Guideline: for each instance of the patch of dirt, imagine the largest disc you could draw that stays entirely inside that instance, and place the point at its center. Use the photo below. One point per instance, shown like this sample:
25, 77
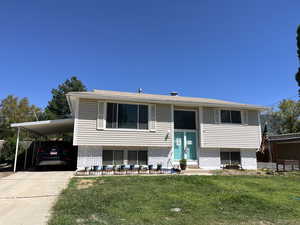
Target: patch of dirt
238, 172
85, 183
92, 218
5, 174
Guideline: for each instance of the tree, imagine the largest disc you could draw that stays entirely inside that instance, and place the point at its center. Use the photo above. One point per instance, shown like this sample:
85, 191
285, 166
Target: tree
58, 106
13, 110
285, 119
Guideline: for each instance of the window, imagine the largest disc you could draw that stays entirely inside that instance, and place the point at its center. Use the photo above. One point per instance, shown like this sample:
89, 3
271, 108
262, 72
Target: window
127, 116
138, 157
230, 158
108, 157
111, 157
230, 116
132, 157
111, 118
184, 119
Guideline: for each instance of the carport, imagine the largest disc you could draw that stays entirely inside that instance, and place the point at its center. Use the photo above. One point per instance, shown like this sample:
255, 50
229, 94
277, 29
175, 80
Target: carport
42, 128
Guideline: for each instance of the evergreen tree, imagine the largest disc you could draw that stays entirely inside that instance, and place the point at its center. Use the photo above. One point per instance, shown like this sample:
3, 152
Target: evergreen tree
58, 106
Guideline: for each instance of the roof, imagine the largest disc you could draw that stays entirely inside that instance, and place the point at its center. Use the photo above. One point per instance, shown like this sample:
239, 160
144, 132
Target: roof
284, 137
48, 127
155, 98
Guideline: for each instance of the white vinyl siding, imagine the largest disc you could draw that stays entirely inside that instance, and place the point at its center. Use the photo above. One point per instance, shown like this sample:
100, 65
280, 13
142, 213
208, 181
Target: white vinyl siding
87, 134
230, 136
218, 135
89, 156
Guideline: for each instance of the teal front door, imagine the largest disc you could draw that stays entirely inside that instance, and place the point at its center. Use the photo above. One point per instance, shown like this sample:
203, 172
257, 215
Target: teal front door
185, 145
178, 145
191, 145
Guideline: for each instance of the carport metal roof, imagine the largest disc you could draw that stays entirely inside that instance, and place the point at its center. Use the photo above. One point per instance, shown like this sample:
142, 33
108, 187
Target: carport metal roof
46, 127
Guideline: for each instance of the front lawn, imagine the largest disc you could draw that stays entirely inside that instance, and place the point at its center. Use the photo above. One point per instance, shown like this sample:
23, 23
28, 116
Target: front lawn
184, 200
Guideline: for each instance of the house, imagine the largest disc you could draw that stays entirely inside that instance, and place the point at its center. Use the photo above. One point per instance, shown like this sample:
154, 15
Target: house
113, 127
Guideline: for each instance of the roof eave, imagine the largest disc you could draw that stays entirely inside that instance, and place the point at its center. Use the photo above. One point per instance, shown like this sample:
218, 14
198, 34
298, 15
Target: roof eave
187, 103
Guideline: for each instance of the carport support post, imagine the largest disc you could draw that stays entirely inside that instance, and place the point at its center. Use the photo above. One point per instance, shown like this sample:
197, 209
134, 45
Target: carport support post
17, 147
25, 161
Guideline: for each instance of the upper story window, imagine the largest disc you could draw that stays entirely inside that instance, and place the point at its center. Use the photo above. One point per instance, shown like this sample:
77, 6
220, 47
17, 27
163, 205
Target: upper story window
130, 116
231, 116
184, 119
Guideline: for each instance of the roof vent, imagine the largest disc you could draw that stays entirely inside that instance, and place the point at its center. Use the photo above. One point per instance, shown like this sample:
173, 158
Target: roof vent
174, 93
140, 90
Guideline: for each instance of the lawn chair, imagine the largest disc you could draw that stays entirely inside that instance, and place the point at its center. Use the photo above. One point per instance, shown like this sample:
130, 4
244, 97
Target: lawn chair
119, 169
127, 169
143, 169
135, 169
158, 168
151, 169
87, 170
109, 169
96, 170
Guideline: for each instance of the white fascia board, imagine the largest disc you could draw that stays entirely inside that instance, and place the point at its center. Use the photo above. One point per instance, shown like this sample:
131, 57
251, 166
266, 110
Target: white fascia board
28, 124
157, 101
70, 105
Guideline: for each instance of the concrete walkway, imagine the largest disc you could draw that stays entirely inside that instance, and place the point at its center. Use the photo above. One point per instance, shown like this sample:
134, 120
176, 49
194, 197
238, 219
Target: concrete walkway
27, 197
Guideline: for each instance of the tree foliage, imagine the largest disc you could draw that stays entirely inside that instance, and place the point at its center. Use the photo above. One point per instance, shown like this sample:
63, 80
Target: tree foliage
285, 119
15, 110
58, 106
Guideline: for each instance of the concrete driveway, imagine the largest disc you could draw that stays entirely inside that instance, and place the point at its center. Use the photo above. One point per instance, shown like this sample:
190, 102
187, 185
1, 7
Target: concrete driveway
27, 197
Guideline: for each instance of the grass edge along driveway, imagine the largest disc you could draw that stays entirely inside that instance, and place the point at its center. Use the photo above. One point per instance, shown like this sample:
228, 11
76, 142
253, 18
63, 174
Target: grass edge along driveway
175, 200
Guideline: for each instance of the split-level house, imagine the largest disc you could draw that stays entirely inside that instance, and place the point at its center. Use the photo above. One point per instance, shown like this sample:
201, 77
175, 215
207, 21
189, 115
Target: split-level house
136, 128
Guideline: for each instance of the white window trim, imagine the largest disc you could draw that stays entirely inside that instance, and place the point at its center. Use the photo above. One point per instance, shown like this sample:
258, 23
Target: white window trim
149, 118
128, 129
104, 115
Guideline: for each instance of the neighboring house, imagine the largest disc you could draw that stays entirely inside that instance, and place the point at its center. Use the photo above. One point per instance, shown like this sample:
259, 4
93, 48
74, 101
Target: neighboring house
280, 147
136, 128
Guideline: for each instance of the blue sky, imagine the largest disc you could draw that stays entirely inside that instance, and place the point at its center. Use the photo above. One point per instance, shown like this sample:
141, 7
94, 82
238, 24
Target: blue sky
242, 51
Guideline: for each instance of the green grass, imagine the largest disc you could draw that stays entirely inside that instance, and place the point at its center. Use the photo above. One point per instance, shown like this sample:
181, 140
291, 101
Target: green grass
204, 200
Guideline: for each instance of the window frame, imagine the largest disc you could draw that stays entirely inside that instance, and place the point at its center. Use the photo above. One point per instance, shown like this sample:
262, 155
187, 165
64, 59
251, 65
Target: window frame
230, 157
230, 110
137, 156
183, 109
113, 156
117, 114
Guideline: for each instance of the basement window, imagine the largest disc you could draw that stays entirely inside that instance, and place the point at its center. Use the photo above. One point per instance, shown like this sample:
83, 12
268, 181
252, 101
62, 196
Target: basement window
229, 158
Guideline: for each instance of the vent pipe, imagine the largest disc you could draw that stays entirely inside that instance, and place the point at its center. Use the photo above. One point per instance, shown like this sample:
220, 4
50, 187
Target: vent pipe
174, 93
